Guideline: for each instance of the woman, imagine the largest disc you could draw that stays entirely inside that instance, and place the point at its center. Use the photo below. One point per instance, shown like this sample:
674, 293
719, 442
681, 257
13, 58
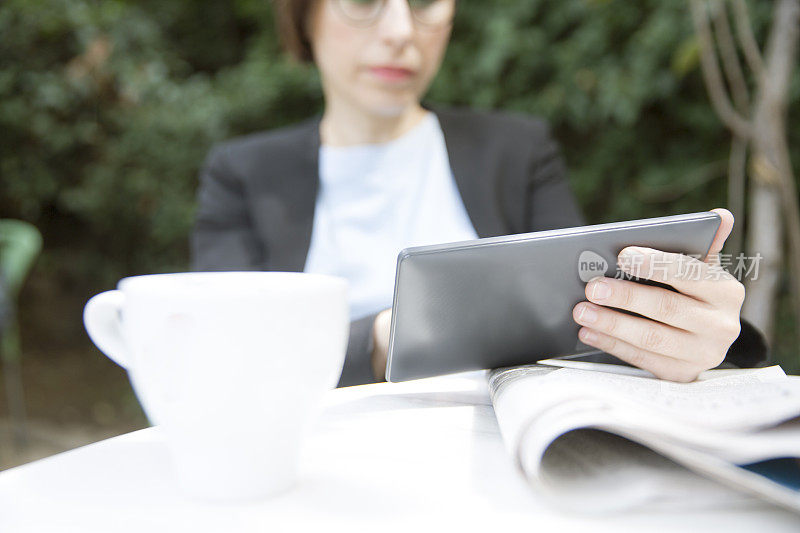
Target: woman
342, 194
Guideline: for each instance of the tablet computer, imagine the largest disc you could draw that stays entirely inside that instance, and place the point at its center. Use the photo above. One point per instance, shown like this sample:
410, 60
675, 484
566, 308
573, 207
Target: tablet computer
505, 301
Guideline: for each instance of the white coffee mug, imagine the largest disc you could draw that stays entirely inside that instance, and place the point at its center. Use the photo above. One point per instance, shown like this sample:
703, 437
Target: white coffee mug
231, 365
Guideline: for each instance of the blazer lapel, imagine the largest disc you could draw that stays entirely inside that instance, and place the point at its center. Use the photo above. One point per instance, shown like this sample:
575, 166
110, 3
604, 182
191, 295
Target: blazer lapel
306, 196
287, 200
473, 174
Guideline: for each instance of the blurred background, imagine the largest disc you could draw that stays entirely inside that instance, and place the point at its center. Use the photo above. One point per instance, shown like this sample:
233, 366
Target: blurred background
107, 109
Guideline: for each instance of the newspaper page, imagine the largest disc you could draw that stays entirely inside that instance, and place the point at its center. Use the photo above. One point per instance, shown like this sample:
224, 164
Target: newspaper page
545, 414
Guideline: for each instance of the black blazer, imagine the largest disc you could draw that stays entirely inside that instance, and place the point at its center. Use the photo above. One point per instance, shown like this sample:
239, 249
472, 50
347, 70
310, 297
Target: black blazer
257, 197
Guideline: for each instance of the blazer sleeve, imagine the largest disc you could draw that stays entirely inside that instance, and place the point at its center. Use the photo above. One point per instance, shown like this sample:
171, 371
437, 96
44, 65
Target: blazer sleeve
358, 361
551, 205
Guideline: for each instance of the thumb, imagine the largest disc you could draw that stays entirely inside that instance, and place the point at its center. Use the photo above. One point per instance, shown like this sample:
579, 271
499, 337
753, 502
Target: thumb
725, 227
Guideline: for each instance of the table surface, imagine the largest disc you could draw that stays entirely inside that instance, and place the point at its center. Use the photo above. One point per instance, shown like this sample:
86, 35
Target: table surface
389, 455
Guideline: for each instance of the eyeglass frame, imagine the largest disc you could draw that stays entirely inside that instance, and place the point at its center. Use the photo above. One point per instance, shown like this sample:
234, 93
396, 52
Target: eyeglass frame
371, 21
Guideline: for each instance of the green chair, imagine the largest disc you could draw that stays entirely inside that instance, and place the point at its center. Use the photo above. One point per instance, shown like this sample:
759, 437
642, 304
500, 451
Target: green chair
20, 243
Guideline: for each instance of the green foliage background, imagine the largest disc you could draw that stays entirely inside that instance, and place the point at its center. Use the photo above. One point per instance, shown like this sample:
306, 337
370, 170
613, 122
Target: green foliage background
107, 109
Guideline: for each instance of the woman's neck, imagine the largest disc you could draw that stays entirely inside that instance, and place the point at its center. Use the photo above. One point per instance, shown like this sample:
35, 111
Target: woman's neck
348, 126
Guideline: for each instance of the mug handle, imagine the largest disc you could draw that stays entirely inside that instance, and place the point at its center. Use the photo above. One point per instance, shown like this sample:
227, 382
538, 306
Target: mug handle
101, 316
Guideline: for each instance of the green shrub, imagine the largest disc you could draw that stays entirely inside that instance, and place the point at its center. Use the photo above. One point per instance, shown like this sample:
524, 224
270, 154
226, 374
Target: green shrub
108, 108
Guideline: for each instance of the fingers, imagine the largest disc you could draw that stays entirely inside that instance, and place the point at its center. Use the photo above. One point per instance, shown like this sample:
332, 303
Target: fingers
640, 332
703, 281
659, 365
679, 334
672, 308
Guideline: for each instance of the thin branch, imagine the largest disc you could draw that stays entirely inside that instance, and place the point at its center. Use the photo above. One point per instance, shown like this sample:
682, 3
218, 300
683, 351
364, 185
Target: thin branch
737, 163
730, 59
781, 53
744, 31
712, 75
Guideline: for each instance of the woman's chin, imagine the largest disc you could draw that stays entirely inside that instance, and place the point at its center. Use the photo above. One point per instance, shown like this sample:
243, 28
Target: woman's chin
387, 103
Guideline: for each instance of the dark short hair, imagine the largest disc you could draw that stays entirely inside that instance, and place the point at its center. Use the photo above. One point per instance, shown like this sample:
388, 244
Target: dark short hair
291, 17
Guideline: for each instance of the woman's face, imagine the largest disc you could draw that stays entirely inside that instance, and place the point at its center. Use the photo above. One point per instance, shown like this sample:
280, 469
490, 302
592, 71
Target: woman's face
379, 60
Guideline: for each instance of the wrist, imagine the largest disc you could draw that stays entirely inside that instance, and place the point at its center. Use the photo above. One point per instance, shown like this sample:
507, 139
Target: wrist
380, 343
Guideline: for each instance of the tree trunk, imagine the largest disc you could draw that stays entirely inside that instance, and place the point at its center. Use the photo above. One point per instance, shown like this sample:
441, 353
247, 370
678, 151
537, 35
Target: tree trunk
765, 237
774, 195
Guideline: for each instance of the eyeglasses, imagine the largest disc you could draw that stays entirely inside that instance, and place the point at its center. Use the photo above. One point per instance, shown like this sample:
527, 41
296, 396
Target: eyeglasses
428, 13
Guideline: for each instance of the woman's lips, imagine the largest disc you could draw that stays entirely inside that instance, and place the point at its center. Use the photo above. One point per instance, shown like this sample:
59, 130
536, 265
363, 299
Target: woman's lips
392, 74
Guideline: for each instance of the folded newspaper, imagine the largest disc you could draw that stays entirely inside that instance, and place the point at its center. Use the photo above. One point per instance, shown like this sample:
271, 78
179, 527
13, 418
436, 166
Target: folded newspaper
599, 441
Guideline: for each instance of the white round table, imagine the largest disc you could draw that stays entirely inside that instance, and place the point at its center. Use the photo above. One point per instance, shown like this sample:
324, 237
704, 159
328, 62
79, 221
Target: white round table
420, 455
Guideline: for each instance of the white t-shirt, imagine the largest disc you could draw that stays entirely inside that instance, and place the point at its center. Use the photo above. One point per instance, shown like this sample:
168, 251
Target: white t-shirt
376, 199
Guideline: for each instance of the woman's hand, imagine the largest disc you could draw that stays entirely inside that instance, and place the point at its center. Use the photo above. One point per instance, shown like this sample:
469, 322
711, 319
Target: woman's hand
380, 341
685, 332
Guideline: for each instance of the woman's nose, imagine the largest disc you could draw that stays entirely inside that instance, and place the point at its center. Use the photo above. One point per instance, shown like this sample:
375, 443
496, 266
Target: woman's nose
396, 25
